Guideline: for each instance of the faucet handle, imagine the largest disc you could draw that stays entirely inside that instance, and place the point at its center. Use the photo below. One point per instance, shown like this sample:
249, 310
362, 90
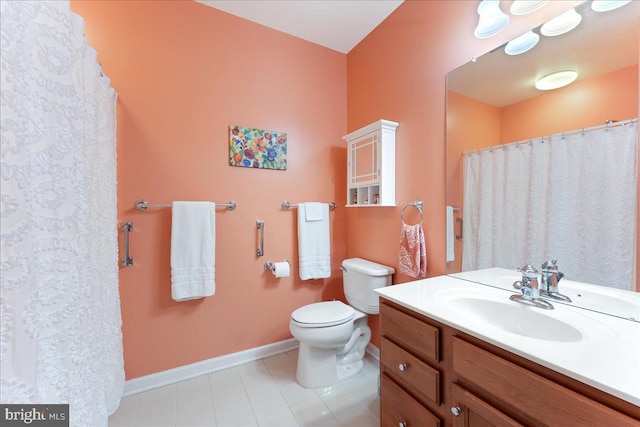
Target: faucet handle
527, 271
528, 288
551, 265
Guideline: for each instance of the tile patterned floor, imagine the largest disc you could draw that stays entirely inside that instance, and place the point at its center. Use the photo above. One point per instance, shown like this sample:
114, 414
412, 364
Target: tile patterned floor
259, 393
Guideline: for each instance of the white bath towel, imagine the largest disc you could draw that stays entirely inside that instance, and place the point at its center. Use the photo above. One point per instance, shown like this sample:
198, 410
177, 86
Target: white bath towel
193, 250
313, 211
314, 248
450, 235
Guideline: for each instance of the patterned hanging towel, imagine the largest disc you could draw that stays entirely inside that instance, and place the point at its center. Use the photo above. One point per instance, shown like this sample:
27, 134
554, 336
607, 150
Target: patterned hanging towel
413, 251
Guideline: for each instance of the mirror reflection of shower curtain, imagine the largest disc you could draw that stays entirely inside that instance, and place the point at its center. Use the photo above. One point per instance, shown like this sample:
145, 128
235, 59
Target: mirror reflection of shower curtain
573, 199
60, 323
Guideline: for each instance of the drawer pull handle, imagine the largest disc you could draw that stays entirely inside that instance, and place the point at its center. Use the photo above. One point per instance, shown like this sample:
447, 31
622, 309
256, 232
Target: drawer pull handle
402, 424
402, 367
455, 410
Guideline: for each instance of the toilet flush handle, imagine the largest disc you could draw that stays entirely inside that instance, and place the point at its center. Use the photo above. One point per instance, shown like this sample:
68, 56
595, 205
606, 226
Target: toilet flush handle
344, 270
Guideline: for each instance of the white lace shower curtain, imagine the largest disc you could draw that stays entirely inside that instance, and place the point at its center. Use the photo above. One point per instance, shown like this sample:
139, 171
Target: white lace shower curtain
572, 198
60, 324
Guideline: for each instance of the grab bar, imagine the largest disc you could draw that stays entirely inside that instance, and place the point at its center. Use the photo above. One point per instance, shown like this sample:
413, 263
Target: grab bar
260, 226
127, 261
458, 220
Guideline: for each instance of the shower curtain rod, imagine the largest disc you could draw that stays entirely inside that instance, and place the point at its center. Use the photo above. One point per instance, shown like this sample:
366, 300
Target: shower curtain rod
608, 125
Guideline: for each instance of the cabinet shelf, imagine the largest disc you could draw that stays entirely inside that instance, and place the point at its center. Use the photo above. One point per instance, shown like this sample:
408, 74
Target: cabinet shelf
371, 162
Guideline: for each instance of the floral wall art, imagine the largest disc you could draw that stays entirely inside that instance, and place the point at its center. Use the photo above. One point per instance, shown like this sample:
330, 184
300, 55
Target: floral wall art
257, 148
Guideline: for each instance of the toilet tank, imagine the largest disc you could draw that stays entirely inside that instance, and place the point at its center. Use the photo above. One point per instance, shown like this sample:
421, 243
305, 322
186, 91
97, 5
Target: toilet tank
360, 277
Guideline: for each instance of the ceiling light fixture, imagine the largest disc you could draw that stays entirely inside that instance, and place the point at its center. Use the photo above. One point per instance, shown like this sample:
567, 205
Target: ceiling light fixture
561, 24
556, 80
522, 7
492, 19
522, 43
606, 6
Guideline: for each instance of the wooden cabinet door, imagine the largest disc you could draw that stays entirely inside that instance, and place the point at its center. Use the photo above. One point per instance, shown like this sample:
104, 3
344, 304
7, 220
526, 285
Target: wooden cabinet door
537, 397
475, 412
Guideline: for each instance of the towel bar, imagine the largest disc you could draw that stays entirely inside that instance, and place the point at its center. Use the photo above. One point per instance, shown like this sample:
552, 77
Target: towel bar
286, 205
143, 205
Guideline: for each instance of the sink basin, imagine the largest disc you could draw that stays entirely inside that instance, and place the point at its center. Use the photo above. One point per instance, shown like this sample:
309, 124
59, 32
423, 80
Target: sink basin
515, 318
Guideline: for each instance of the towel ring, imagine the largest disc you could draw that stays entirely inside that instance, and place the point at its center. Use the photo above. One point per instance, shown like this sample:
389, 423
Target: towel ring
416, 204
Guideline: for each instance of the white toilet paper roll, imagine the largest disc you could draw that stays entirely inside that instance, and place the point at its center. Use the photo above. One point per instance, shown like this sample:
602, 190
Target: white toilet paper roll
281, 269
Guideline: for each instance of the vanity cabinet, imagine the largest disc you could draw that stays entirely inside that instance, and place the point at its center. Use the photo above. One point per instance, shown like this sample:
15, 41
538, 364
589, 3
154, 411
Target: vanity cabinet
433, 374
371, 163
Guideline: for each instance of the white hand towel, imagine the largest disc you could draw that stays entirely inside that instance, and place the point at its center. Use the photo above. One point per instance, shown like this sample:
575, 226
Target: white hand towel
193, 250
313, 211
450, 235
314, 248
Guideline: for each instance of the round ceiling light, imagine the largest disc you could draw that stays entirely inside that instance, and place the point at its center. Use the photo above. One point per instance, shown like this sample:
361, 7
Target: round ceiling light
522, 43
561, 24
606, 6
492, 19
556, 80
522, 7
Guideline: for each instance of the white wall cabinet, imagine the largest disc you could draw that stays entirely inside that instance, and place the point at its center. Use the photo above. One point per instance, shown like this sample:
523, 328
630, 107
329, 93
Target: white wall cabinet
371, 165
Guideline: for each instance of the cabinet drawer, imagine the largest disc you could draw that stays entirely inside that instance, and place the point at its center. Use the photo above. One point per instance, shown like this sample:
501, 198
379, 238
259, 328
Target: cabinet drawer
536, 396
421, 337
417, 375
399, 407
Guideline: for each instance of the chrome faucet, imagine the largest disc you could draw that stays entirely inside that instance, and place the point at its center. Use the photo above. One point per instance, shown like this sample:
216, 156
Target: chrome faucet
550, 278
529, 288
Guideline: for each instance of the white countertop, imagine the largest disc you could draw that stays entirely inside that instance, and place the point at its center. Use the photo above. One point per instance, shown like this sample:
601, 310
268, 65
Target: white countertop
607, 356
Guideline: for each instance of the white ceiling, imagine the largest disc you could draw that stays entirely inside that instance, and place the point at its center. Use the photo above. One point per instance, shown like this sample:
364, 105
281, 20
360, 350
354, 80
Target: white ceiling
337, 24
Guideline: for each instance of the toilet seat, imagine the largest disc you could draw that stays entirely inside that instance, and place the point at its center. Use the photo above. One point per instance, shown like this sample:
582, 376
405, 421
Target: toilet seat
323, 314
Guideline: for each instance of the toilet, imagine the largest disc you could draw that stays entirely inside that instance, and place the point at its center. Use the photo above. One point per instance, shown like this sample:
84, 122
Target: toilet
333, 335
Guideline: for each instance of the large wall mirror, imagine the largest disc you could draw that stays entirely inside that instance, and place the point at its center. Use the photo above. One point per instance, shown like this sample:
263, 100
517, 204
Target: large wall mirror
493, 106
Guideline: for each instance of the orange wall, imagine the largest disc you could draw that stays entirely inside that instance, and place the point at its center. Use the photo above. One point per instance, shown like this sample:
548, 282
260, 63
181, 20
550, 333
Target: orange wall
583, 104
398, 73
184, 72
471, 124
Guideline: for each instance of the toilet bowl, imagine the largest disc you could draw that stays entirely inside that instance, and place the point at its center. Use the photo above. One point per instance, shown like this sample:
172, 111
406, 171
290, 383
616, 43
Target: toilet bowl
333, 335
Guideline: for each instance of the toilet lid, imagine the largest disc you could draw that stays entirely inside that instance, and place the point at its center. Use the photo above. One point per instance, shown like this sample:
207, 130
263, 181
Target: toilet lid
319, 314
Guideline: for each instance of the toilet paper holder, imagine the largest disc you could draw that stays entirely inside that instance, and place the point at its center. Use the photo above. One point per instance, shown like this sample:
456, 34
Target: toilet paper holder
269, 266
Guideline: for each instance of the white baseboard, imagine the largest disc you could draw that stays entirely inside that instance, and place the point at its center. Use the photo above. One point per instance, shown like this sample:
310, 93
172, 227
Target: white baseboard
181, 373
373, 351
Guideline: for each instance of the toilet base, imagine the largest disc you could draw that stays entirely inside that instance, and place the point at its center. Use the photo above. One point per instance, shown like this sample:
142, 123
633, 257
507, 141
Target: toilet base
319, 367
